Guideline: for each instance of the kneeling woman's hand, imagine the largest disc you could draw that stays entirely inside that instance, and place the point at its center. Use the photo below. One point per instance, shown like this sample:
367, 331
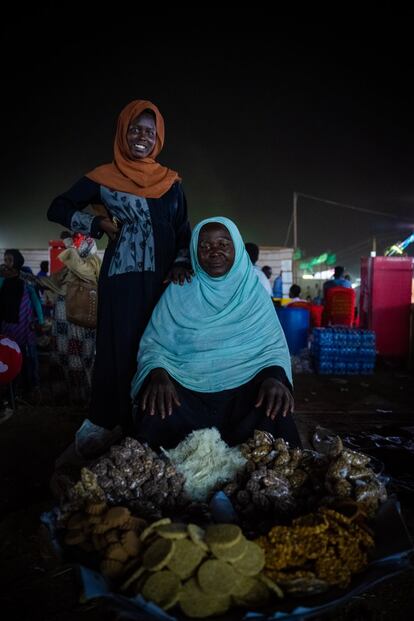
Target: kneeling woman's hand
275, 397
159, 395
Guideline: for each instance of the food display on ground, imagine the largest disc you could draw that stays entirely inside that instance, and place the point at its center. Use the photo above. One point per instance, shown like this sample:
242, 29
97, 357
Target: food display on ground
286, 483
303, 521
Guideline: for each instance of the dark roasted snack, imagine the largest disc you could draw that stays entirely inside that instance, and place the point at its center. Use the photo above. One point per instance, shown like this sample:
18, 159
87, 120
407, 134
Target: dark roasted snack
327, 544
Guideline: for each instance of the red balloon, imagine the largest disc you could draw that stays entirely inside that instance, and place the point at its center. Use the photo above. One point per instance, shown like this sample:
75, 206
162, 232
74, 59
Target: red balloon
11, 359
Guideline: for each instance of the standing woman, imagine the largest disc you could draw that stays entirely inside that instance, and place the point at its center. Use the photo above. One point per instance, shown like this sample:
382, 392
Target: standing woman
149, 234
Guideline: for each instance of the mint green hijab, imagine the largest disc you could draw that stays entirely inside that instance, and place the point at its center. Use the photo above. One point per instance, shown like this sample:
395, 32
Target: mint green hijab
214, 333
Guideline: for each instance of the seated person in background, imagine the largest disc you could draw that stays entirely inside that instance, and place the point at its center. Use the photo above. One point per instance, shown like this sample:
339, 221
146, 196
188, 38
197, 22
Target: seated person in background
214, 353
253, 252
294, 294
338, 280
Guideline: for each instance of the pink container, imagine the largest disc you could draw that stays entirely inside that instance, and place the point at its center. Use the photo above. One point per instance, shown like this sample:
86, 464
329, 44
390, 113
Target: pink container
384, 303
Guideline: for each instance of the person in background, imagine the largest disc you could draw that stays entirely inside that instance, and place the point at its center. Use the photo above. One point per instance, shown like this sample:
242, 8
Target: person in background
337, 280
318, 296
143, 211
26, 269
278, 286
253, 252
294, 294
44, 269
20, 312
73, 346
267, 271
214, 353
308, 296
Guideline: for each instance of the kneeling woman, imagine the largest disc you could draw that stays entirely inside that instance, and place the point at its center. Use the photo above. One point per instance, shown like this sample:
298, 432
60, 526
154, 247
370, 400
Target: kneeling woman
213, 353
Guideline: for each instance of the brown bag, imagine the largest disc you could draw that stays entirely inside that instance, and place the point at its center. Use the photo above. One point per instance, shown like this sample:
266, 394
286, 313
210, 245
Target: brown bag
82, 303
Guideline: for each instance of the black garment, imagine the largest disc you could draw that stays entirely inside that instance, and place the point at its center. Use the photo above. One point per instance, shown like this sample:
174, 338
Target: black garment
125, 301
232, 412
11, 294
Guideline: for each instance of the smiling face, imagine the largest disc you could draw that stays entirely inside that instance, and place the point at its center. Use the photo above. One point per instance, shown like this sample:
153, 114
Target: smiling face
215, 249
142, 136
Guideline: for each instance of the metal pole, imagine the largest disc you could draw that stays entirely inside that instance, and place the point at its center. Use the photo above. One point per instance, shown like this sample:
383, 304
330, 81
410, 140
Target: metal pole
288, 233
295, 220
295, 234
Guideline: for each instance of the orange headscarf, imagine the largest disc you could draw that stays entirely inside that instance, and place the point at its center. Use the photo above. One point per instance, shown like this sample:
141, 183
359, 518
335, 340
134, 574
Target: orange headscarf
144, 177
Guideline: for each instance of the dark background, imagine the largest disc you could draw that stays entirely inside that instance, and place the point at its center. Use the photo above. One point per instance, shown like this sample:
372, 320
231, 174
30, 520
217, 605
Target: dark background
252, 114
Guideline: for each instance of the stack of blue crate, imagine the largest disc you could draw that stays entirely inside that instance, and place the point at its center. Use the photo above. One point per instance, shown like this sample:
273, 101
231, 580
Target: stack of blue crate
343, 351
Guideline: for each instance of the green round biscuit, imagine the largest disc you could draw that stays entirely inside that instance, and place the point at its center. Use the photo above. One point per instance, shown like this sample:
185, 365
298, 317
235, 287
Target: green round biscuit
158, 554
152, 528
186, 558
242, 585
197, 536
132, 578
271, 585
173, 531
224, 535
196, 604
216, 577
258, 595
232, 554
162, 588
252, 562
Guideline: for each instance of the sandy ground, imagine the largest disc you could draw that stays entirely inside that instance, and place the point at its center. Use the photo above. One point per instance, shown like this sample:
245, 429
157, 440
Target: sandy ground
34, 583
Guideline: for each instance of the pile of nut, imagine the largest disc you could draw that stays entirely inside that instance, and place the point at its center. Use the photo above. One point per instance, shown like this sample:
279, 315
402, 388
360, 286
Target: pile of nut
133, 475
271, 474
285, 482
348, 474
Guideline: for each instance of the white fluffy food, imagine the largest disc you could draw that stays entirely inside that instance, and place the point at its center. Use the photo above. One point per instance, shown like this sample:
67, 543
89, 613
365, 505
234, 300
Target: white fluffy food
205, 460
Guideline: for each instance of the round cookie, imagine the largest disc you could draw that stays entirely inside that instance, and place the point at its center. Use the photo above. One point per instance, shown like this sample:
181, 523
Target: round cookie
162, 588
186, 558
158, 554
252, 562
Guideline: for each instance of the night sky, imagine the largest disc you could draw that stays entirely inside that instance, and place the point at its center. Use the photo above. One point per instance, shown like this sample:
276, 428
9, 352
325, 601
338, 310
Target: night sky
247, 123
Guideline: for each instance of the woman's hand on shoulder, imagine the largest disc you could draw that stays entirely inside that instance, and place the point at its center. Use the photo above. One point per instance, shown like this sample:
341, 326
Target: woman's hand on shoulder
179, 273
160, 395
275, 397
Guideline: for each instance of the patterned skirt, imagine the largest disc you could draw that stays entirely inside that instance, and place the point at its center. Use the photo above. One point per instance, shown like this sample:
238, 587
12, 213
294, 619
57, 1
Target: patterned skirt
73, 350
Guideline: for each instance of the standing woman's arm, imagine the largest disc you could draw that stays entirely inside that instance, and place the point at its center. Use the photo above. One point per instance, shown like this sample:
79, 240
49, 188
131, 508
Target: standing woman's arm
67, 208
182, 229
